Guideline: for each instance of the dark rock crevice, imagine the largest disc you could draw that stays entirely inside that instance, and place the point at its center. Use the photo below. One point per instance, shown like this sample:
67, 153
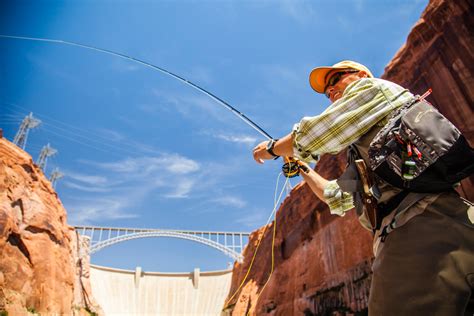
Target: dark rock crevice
19, 203
14, 239
29, 169
38, 230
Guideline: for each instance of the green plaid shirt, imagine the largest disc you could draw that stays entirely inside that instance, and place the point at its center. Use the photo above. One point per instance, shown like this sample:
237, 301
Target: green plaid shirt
364, 103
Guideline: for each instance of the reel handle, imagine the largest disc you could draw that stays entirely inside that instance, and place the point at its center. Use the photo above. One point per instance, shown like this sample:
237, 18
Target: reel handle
291, 168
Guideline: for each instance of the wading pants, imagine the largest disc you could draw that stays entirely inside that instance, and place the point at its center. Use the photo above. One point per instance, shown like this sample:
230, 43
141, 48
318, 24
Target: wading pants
426, 267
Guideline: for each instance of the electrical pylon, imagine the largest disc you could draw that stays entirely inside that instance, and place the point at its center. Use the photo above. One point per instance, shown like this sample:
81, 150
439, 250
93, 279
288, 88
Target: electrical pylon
28, 123
46, 152
55, 175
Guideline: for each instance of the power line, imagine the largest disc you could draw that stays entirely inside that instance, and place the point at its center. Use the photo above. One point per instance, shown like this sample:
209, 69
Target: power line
81, 133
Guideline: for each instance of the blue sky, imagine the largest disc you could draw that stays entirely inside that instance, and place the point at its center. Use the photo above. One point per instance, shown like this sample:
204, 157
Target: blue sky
140, 149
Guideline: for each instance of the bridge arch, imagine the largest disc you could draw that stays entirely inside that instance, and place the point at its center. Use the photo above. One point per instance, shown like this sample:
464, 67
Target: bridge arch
130, 234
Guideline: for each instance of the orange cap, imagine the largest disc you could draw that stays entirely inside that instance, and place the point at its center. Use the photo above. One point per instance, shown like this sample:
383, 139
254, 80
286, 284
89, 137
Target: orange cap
318, 76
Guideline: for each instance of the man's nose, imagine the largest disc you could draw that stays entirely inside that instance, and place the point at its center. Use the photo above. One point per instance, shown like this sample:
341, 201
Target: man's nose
329, 90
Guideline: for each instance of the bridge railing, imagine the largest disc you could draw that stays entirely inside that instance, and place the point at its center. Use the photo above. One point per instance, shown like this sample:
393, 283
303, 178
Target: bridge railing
230, 243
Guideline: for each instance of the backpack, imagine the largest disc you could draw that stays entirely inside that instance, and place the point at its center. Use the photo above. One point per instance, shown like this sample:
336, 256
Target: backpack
419, 150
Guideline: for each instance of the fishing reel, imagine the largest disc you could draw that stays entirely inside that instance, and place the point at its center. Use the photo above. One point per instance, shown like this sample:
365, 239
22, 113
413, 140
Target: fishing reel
291, 168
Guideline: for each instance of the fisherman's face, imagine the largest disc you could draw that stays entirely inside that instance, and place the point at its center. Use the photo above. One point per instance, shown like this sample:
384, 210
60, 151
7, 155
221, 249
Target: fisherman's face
338, 82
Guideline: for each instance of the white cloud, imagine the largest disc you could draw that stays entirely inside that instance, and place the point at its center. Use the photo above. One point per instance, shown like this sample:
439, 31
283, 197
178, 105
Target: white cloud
242, 139
179, 165
230, 201
85, 212
181, 189
166, 175
120, 186
85, 188
119, 203
143, 166
192, 104
231, 138
87, 182
85, 178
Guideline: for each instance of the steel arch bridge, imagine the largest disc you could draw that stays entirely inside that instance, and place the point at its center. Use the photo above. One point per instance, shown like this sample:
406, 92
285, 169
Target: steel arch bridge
230, 243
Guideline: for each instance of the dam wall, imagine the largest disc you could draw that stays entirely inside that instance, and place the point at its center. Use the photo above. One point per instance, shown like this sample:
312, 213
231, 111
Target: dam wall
128, 292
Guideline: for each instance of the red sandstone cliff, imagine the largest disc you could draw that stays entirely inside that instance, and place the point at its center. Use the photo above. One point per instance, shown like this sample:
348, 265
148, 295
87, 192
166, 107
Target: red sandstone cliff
322, 262
439, 54
41, 265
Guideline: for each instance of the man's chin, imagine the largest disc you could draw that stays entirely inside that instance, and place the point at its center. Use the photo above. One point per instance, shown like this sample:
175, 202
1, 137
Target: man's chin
336, 97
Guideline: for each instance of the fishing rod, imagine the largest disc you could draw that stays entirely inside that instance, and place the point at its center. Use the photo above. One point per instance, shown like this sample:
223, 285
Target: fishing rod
290, 167
241, 115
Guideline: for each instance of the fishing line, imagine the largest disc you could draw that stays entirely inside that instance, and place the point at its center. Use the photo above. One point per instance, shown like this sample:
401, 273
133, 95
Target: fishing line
239, 114
288, 187
276, 202
273, 262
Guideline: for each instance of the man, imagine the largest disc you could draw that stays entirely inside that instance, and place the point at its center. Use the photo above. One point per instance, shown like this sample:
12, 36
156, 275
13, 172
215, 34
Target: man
425, 264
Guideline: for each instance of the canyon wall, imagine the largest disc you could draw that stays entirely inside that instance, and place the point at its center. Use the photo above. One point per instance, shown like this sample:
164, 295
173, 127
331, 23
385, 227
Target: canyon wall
322, 262
439, 54
43, 267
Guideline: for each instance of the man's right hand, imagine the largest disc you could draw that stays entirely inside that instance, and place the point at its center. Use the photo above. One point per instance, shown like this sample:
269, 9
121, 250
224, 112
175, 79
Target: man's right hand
260, 153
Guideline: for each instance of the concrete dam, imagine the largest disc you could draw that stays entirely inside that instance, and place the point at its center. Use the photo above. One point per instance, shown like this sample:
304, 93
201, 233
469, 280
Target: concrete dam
128, 292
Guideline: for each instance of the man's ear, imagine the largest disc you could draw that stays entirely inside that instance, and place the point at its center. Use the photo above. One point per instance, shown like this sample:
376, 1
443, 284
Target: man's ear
362, 74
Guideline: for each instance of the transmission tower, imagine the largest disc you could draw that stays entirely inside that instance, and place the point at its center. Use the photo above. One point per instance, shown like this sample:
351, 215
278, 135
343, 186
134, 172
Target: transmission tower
46, 152
28, 123
55, 175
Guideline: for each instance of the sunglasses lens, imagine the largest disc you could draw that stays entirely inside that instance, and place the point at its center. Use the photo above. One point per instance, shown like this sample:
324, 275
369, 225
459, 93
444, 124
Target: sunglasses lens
334, 79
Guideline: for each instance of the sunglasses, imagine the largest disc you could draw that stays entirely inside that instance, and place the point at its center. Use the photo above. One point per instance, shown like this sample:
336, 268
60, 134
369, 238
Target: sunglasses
336, 78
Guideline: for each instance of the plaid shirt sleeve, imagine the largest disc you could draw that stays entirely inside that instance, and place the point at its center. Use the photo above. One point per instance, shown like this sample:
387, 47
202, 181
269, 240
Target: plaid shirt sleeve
364, 103
339, 202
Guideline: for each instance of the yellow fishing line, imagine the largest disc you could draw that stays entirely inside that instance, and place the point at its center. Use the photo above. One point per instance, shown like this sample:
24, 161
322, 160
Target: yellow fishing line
259, 242
273, 251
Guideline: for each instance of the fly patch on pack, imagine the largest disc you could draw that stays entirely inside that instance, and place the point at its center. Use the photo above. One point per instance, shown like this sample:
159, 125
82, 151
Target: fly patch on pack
420, 150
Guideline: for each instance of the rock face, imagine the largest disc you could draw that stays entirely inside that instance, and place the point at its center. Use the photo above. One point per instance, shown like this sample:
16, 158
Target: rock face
439, 54
39, 253
322, 262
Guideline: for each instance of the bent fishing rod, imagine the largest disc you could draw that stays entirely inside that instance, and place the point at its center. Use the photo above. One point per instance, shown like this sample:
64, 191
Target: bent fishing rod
290, 168
241, 115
